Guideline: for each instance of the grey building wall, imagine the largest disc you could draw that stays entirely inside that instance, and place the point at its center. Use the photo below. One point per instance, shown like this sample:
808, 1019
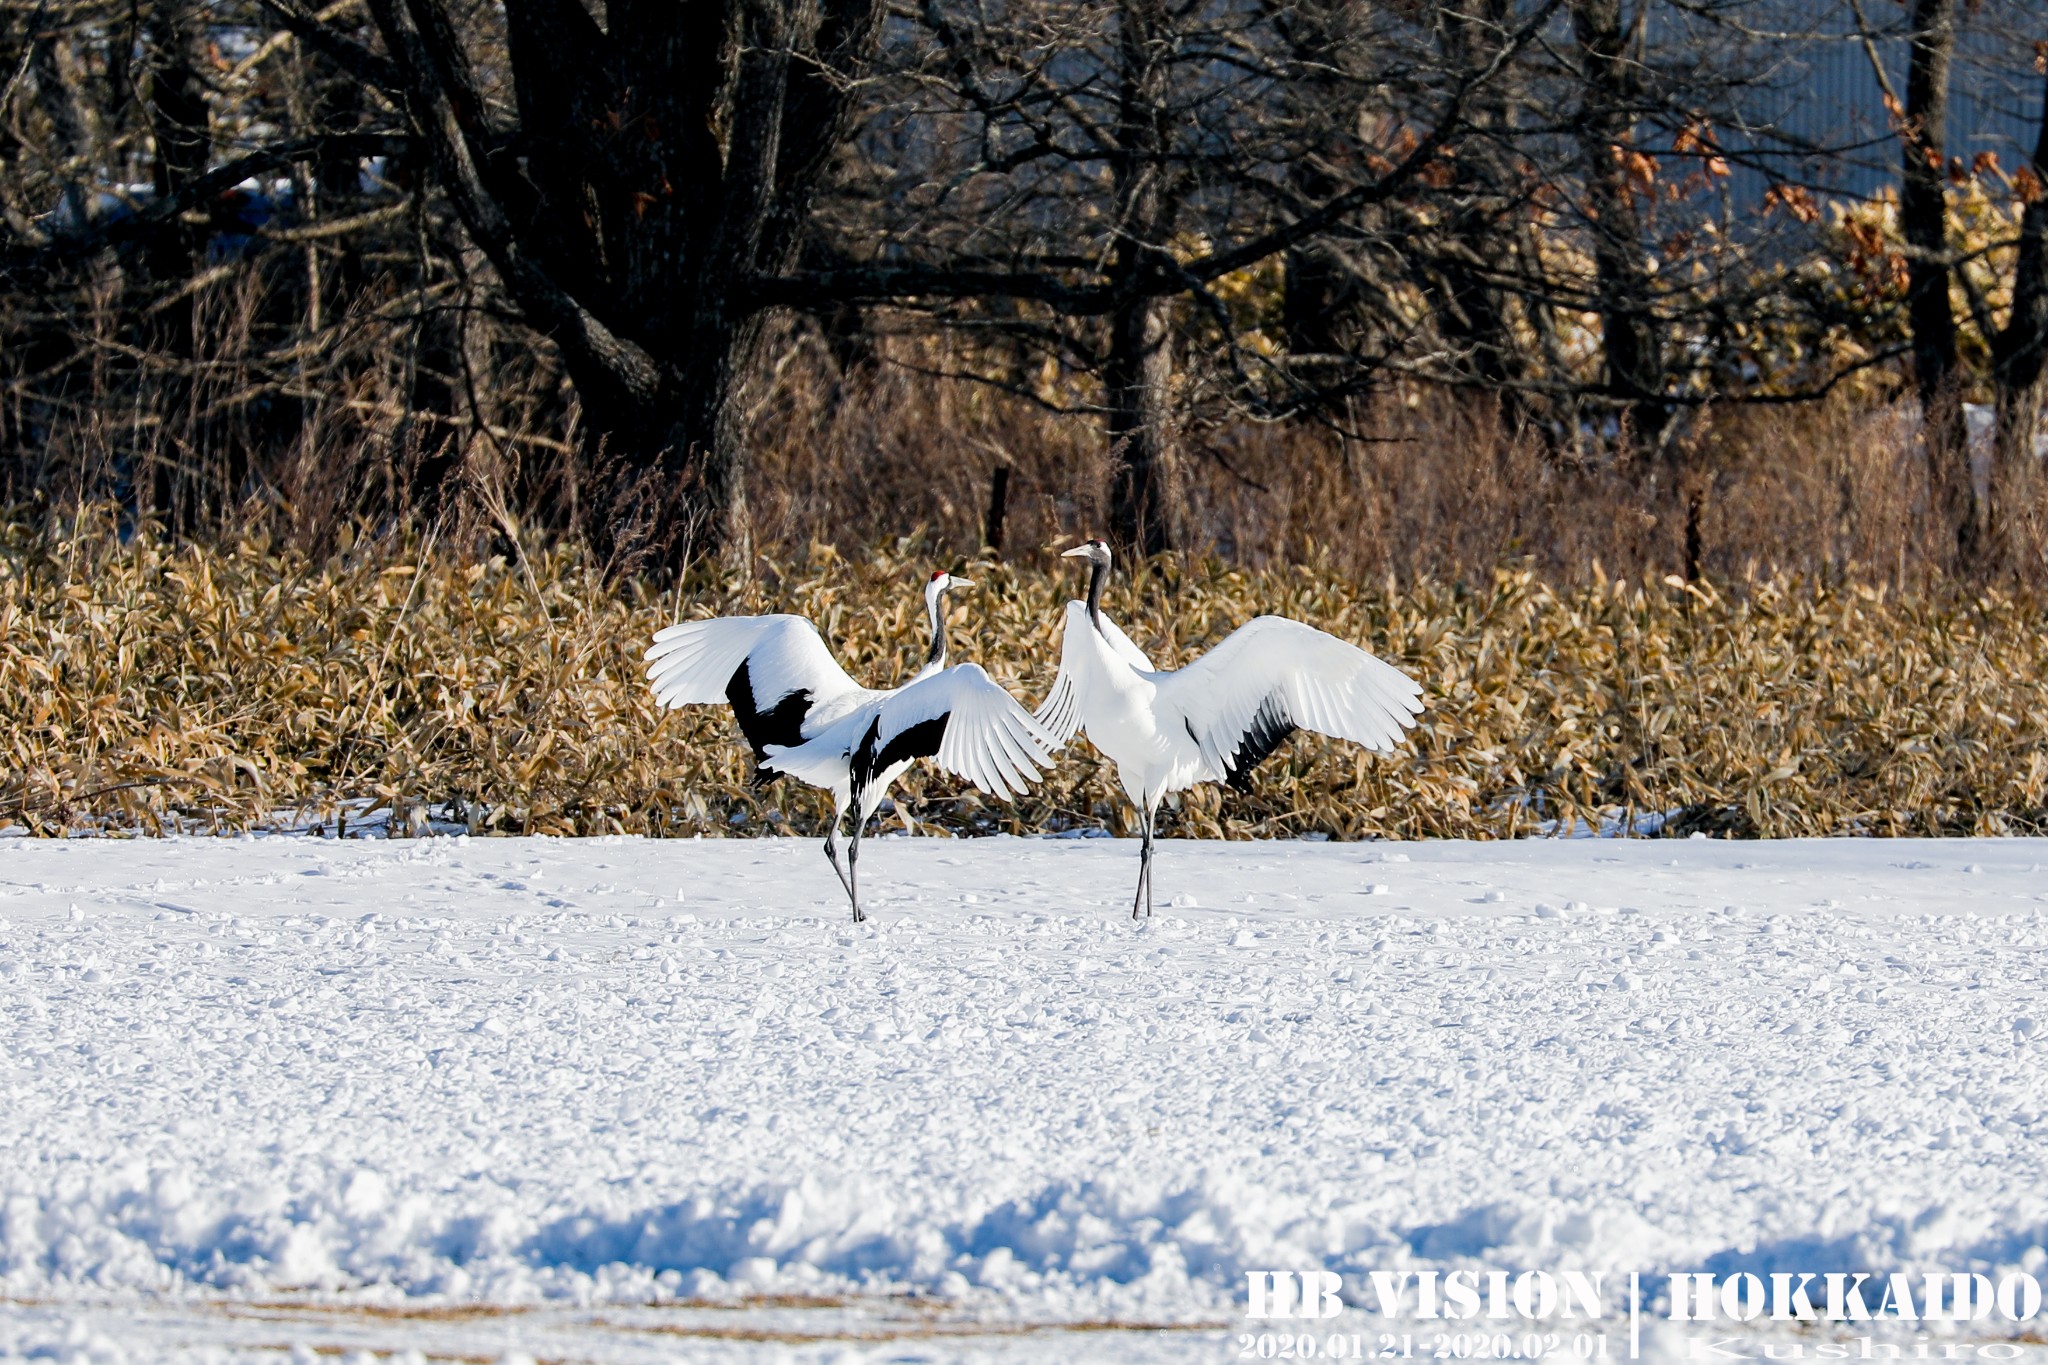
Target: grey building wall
1817, 88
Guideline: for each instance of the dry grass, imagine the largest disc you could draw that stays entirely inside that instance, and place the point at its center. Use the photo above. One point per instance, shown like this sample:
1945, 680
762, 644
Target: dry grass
1435, 484
147, 686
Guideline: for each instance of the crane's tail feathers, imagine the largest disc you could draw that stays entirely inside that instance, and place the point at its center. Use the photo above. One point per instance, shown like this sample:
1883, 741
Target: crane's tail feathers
818, 765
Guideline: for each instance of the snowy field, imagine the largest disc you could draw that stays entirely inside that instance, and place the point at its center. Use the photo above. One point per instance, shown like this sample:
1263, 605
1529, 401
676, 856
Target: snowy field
625, 1101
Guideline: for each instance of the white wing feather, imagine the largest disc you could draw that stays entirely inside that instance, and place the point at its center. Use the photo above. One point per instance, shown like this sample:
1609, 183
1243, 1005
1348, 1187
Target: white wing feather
989, 739
1318, 682
692, 663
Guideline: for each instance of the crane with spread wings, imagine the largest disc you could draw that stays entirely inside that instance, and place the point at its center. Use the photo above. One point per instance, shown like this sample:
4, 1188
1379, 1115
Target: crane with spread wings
805, 717
1222, 715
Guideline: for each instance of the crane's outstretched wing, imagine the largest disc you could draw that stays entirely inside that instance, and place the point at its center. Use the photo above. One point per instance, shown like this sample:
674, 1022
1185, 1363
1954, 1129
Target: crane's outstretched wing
773, 670
1059, 715
964, 720
1271, 676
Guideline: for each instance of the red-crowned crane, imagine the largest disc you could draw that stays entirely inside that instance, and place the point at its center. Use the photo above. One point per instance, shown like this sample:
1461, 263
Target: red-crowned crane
1219, 717
803, 716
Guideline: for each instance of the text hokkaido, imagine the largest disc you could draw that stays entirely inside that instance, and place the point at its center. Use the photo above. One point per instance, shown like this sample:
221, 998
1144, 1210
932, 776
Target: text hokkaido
1838, 1297
1690, 1296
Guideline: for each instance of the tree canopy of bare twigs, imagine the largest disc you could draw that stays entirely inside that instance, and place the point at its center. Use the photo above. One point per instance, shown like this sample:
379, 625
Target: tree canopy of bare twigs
547, 262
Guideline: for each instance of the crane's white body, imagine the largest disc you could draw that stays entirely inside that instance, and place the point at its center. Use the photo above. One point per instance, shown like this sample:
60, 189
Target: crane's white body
805, 717
1109, 689
1212, 721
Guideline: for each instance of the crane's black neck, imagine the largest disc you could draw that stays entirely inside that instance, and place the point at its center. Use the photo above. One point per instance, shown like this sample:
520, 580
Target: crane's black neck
937, 657
1098, 570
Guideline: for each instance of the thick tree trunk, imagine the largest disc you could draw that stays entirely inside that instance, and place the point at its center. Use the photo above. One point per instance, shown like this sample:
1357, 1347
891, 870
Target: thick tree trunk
1313, 296
338, 107
180, 126
666, 160
1314, 281
1315, 292
1629, 331
1923, 222
180, 122
1138, 374
2018, 354
1142, 495
674, 470
1476, 311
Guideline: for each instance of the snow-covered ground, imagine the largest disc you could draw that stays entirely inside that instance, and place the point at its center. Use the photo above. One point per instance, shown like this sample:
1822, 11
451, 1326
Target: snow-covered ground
622, 1100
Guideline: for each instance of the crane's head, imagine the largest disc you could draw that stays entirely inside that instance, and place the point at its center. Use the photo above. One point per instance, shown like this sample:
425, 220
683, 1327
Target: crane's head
935, 588
1096, 552
935, 609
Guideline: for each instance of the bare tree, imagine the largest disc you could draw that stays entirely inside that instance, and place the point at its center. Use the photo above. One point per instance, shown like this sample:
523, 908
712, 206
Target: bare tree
1139, 364
316, 241
1161, 151
649, 171
1923, 221
2019, 348
1606, 134
1479, 235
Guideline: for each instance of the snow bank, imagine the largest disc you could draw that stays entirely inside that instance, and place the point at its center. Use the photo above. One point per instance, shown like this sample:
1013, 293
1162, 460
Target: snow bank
1084, 1248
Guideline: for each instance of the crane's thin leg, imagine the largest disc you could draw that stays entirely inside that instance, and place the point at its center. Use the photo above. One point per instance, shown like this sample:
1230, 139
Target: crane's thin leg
853, 865
1144, 861
1151, 821
832, 849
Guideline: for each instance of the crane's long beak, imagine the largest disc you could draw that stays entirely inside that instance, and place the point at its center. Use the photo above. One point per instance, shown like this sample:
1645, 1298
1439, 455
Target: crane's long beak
955, 581
1078, 552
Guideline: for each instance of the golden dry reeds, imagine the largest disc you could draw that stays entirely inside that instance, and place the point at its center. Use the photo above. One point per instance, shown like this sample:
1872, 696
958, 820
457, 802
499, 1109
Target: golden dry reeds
148, 686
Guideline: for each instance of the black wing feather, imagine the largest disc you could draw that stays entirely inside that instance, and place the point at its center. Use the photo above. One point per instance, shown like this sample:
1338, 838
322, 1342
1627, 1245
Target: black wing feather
1269, 729
872, 756
782, 723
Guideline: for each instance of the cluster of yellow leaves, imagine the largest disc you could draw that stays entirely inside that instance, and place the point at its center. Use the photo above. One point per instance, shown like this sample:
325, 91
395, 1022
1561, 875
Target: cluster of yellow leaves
1868, 275
146, 686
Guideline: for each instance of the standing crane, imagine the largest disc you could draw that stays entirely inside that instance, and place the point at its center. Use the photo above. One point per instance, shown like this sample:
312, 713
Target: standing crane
803, 715
1222, 715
